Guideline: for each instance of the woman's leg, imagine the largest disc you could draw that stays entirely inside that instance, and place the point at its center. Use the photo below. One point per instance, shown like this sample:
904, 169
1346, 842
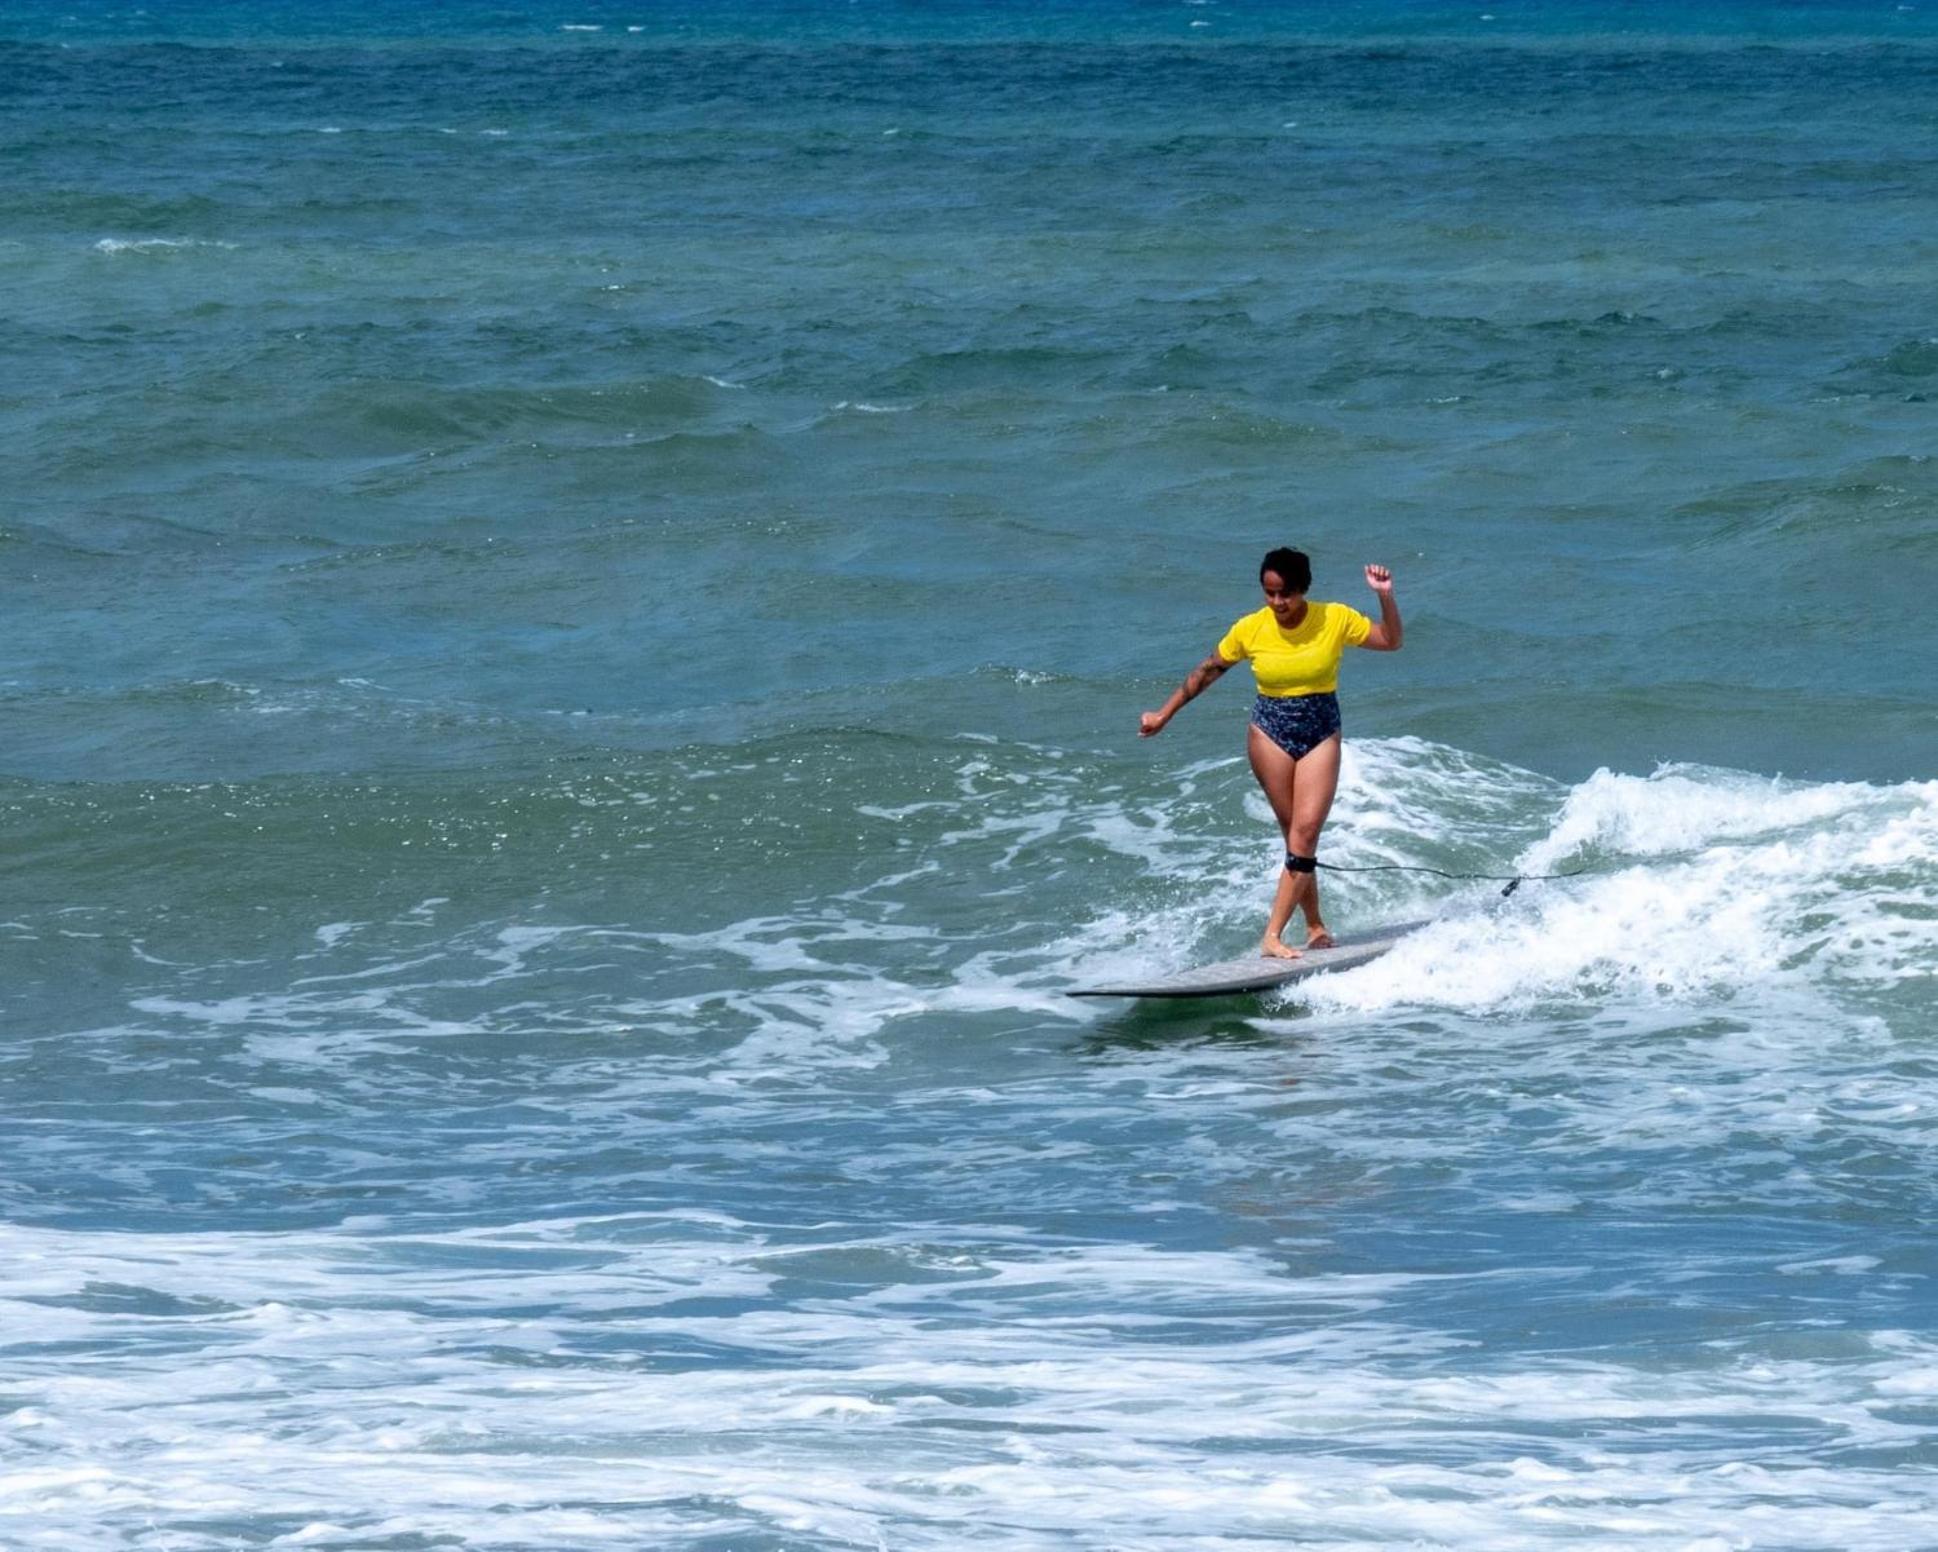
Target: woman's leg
1275, 770
1317, 779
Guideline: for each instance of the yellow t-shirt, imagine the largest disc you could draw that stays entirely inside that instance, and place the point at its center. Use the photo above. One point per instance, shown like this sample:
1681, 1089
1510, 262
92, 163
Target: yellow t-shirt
1300, 661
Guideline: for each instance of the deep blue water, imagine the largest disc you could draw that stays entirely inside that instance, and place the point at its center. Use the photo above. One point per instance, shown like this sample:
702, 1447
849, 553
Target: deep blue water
580, 580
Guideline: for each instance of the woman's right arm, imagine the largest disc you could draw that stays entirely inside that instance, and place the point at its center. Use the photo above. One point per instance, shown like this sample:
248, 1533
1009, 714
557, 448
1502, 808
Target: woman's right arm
1200, 679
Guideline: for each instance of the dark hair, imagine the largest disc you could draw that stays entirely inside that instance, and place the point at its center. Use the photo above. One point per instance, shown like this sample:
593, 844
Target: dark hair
1291, 565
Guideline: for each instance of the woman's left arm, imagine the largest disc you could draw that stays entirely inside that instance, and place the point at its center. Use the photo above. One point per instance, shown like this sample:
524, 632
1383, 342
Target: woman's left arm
1385, 636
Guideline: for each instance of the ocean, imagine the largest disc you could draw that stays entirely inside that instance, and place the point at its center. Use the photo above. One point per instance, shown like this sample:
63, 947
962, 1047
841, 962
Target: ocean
579, 582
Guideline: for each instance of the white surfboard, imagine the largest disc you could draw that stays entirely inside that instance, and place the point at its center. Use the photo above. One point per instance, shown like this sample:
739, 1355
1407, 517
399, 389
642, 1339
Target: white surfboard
1256, 973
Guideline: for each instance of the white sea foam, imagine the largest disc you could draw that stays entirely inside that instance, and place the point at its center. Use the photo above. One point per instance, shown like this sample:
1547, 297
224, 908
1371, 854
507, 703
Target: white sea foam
547, 1383
156, 244
1702, 883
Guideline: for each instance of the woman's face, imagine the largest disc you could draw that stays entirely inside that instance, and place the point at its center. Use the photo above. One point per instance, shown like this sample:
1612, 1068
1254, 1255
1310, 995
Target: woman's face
1285, 603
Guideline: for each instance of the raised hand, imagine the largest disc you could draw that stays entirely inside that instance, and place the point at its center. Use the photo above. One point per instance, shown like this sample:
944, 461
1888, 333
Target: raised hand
1379, 579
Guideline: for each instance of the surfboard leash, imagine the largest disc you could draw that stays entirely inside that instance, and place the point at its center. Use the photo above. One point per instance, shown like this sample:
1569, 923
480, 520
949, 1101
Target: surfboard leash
1514, 880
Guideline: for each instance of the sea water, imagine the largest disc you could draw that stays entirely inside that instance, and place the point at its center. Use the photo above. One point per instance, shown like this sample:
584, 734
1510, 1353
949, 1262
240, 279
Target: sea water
579, 580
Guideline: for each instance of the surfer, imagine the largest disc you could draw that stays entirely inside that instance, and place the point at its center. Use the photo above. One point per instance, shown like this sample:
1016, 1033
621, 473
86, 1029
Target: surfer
1295, 646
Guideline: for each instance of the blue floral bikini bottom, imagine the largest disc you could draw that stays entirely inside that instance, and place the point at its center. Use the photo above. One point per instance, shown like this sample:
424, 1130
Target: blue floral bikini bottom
1298, 724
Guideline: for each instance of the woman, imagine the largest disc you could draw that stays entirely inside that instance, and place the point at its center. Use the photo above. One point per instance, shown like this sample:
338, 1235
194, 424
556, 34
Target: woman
1295, 646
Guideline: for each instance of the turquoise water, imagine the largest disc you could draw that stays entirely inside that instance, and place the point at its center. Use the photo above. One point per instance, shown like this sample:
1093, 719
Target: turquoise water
579, 600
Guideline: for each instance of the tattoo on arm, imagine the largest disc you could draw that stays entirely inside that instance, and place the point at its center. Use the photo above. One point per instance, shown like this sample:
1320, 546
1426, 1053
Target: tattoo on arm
1204, 676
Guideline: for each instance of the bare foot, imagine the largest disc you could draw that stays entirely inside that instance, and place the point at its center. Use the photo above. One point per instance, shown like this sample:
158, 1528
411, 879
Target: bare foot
1272, 948
1317, 936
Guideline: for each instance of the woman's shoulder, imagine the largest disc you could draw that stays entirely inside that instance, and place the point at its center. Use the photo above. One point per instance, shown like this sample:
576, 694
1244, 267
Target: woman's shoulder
1345, 624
